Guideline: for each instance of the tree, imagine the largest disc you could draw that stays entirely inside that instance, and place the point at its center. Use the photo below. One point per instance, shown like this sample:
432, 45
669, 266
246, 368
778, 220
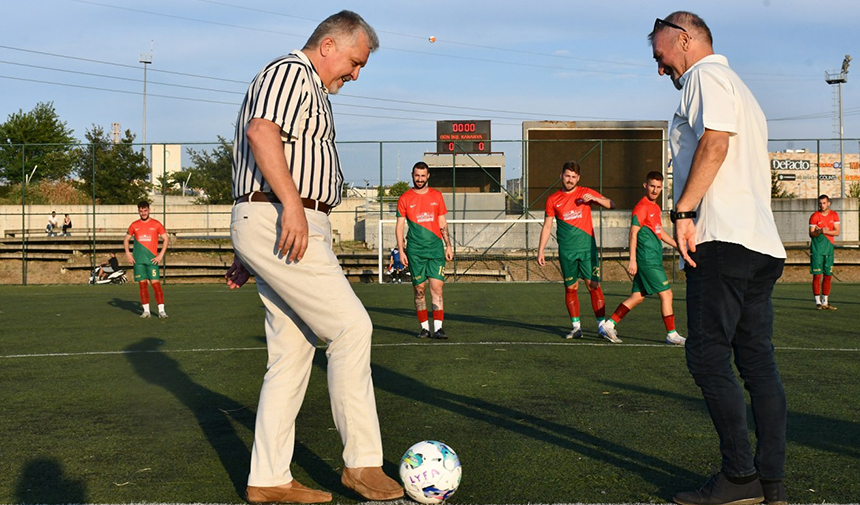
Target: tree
776, 188
120, 170
45, 141
212, 172
398, 188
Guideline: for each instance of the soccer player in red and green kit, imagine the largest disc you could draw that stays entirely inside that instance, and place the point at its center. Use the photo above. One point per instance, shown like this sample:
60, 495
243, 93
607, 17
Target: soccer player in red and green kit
146, 257
577, 250
646, 261
824, 227
427, 246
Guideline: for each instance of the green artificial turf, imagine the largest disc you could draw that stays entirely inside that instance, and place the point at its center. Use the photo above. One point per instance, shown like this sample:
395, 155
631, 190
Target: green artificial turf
100, 406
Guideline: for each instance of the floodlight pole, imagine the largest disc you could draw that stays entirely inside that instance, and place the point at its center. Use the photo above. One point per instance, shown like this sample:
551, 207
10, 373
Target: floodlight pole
839, 79
146, 59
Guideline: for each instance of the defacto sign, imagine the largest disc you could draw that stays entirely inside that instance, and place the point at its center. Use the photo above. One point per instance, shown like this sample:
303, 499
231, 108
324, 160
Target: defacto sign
789, 165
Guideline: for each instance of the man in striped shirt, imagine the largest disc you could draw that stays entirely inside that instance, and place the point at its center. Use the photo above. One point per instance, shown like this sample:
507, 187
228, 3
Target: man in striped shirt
286, 179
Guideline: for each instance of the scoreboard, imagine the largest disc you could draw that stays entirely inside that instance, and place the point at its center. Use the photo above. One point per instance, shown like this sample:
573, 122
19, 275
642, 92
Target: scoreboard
472, 137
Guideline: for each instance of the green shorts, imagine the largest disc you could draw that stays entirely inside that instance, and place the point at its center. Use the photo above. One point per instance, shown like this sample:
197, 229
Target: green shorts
820, 264
650, 280
579, 265
143, 271
421, 269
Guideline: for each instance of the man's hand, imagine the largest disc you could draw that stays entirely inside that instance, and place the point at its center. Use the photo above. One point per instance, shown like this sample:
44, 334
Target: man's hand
294, 232
632, 268
403, 259
449, 253
157, 260
237, 275
130, 258
541, 259
685, 236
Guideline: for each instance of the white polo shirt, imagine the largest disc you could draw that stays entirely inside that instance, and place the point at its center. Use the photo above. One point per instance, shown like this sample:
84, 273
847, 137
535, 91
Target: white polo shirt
736, 208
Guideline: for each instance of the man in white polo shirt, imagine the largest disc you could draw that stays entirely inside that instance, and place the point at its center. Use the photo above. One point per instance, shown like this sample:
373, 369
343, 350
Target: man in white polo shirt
732, 257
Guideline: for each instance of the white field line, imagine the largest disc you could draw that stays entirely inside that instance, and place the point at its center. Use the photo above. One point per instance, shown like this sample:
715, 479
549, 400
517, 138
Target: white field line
399, 344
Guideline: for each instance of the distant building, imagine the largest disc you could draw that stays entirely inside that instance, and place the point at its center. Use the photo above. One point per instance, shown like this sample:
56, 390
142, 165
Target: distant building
166, 159
807, 174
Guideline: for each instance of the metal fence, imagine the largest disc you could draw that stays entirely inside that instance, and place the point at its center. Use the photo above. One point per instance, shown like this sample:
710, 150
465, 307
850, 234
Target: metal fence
510, 183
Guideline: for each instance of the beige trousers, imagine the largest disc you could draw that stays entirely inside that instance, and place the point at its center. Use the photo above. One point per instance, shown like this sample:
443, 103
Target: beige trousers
304, 301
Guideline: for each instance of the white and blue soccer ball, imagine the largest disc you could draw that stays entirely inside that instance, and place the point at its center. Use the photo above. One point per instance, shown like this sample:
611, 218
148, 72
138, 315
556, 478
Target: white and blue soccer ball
430, 472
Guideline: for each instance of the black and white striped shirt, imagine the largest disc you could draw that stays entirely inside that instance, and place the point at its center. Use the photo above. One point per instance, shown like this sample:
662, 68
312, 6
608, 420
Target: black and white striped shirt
289, 93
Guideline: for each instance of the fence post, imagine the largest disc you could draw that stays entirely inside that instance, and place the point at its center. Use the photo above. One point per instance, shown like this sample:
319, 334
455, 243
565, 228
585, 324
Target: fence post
23, 214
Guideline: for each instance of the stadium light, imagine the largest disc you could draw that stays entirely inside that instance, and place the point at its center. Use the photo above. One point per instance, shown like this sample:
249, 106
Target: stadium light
840, 79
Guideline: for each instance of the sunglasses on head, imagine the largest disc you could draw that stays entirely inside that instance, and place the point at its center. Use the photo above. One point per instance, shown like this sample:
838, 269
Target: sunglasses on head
660, 22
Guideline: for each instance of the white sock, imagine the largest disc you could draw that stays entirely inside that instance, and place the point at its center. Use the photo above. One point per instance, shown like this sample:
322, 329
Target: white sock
823, 299
426, 325
160, 307
436, 325
146, 308
576, 325
610, 323
817, 299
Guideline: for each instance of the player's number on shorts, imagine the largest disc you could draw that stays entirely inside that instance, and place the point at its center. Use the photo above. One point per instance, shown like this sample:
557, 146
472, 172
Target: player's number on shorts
442, 270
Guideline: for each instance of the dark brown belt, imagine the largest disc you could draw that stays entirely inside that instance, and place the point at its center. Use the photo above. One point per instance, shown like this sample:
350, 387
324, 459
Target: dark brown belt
259, 196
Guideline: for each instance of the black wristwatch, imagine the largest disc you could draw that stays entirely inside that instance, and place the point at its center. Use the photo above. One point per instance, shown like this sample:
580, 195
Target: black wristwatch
674, 216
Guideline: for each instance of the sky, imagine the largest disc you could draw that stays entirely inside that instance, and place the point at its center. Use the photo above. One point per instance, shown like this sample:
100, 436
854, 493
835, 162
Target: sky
502, 60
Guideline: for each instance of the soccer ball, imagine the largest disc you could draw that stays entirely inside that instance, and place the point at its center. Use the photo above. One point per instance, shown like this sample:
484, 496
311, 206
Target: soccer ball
430, 472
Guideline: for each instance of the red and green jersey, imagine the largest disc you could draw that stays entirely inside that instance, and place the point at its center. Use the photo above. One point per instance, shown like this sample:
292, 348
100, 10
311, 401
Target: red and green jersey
823, 244
575, 232
422, 211
649, 248
145, 234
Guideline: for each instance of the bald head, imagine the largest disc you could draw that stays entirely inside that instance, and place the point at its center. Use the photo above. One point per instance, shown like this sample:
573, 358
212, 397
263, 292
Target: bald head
689, 22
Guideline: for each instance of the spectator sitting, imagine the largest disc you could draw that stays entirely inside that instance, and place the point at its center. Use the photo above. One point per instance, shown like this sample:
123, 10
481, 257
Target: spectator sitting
67, 225
53, 224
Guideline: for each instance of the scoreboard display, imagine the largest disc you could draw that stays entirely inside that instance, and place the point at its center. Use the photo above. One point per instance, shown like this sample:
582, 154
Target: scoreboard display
468, 137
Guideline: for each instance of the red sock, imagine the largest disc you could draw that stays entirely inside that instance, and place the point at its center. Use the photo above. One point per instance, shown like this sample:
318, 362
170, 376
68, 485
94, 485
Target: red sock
669, 321
159, 293
619, 313
597, 303
825, 286
572, 302
816, 284
422, 316
438, 315
144, 292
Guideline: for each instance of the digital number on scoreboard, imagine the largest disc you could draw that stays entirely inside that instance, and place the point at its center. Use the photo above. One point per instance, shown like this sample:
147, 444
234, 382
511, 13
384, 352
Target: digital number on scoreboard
471, 137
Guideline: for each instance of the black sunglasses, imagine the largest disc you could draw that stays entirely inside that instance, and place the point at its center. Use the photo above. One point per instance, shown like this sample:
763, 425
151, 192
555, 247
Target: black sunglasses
659, 22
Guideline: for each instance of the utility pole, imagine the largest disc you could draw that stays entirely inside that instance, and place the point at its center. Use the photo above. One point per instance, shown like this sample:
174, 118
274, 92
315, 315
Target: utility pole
839, 79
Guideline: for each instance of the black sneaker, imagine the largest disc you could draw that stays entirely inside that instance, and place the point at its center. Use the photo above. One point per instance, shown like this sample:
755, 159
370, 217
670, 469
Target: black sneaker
425, 333
440, 335
719, 491
774, 492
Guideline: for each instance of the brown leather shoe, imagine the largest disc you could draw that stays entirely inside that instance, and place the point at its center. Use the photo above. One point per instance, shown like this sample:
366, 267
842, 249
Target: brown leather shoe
288, 493
371, 483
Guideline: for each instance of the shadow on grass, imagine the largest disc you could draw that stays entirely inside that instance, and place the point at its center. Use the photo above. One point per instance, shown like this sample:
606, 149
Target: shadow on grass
496, 416
42, 481
507, 324
133, 307
214, 413
810, 430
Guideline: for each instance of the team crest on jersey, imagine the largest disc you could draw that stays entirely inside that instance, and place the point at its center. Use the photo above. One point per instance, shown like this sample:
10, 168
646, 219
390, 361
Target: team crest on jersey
144, 238
572, 214
424, 217
658, 229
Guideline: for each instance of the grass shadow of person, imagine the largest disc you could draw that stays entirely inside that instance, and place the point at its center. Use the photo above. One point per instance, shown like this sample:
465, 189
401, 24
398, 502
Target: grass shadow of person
133, 307
526, 424
43, 481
